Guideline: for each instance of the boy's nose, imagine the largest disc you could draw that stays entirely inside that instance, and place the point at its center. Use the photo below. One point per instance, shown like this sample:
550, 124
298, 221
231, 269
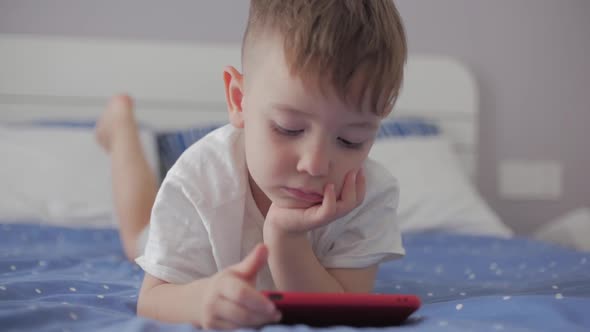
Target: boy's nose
314, 160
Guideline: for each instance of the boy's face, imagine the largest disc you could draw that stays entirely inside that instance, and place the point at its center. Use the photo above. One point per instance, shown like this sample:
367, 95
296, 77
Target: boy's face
297, 139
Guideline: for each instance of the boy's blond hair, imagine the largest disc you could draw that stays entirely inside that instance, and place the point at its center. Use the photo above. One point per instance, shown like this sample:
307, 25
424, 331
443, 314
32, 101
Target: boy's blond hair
339, 42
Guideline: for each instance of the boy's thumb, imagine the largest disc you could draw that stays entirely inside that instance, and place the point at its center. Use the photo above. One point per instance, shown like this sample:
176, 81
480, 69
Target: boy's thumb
251, 264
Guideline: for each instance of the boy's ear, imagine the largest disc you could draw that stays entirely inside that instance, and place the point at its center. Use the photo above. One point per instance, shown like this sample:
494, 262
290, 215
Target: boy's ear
234, 80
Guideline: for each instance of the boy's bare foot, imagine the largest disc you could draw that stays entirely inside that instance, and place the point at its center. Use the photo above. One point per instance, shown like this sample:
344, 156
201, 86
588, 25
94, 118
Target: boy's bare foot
134, 184
118, 117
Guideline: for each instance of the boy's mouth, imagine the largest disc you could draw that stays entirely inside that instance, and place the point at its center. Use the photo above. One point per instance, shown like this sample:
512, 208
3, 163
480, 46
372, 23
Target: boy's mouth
301, 194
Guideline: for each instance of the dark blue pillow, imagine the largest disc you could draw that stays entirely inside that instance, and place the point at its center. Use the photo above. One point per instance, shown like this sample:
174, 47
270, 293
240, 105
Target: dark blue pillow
404, 127
172, 144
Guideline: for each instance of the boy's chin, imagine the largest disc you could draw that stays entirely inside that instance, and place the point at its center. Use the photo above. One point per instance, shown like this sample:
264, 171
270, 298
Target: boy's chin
289, 203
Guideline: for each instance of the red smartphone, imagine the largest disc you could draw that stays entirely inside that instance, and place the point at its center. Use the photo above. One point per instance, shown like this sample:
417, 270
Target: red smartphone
352, 309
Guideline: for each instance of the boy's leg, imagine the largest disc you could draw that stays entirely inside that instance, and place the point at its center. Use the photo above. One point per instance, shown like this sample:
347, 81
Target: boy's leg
134, 183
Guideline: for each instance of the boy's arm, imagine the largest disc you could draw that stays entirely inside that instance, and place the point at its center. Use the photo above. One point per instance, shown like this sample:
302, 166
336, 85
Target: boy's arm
170, 302
293, 264
295, 267
226, 300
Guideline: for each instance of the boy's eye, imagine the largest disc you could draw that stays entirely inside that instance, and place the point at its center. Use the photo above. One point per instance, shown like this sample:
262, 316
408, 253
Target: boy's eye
349, 144
287, 132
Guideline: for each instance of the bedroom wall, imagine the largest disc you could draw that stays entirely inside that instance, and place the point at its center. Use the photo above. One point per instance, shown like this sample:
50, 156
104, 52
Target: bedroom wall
529, 58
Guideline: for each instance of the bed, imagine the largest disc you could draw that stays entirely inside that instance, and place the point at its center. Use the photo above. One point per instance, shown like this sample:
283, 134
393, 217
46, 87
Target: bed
61, 264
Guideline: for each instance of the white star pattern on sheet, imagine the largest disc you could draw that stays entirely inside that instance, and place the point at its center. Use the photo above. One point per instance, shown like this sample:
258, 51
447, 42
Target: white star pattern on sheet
439, 269
477, 279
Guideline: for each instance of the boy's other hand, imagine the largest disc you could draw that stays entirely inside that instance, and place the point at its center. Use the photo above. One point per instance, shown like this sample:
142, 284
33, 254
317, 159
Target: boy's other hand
232, 301
299, 221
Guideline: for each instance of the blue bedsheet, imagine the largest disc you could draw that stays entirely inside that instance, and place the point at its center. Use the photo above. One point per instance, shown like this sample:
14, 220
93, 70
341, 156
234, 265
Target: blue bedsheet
77, 280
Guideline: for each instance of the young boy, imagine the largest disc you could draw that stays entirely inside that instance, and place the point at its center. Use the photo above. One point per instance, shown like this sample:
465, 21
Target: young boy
284, 196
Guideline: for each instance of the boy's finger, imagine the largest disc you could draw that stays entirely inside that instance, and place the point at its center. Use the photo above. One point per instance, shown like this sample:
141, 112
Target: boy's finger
220, 324
318, 215
328, 206
348, 193
251, 264
247, 296
238, 315
361, 186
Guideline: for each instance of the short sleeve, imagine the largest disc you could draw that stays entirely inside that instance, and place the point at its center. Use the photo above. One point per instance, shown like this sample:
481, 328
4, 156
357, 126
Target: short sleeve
178, 249
370, 234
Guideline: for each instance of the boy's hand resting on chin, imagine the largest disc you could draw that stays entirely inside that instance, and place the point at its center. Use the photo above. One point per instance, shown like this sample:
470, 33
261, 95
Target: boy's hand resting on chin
298, 221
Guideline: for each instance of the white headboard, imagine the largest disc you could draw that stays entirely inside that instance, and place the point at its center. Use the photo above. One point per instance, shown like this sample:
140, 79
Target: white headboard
178, 85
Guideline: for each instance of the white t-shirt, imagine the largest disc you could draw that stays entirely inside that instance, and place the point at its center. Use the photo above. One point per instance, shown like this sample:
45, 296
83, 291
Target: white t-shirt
205, 219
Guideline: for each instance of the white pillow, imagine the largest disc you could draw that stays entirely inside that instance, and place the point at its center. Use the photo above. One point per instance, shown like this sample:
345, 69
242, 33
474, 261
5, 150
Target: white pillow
58, 176
434, 191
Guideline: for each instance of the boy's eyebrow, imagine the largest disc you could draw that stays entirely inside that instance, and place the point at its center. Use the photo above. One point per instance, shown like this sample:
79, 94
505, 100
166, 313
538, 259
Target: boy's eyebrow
361, 124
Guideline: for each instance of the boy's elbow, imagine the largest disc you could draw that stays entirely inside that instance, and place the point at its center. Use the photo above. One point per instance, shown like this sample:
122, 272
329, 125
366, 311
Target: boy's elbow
145, 304
142, 305
148, 307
